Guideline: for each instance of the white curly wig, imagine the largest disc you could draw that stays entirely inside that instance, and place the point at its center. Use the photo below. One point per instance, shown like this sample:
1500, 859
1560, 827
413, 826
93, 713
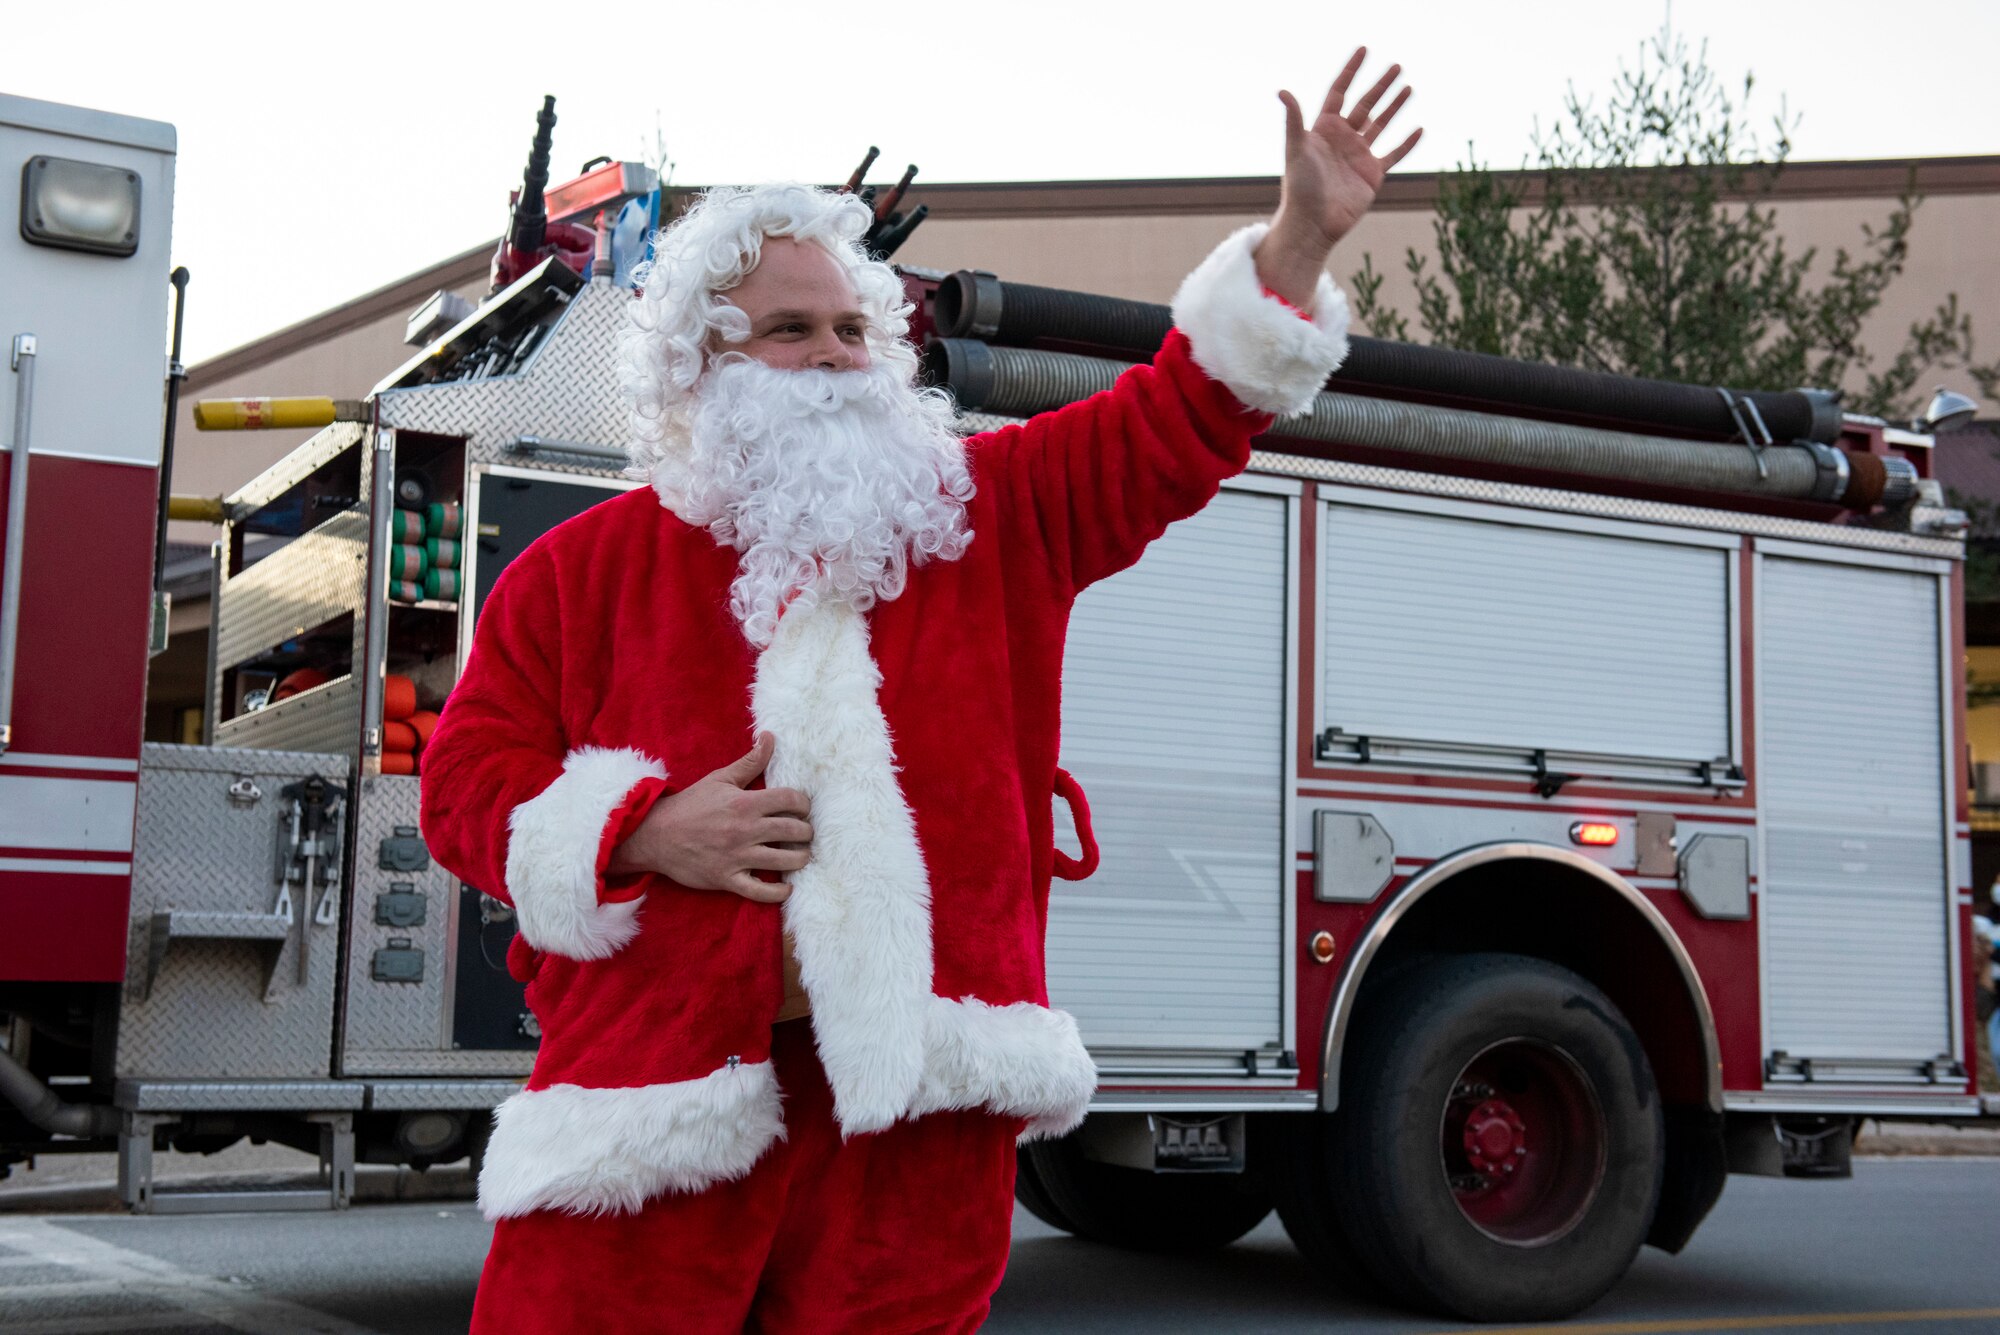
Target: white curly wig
680, 315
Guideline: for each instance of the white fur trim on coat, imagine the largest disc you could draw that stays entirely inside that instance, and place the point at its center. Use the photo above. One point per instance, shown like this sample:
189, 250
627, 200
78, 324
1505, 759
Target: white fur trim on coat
1254, 344
1021, 1060
552, 845
609, 1151
859, 912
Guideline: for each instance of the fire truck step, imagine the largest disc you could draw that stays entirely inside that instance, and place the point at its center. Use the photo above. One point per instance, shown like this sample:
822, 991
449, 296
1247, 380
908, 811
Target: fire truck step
137, 1189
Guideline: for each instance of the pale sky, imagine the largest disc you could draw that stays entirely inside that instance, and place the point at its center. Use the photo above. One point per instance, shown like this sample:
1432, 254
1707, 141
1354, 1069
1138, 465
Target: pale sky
327, 149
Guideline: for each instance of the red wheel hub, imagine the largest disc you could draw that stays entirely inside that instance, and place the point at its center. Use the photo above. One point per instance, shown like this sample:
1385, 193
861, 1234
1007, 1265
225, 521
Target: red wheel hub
1522, 1142
1495, 1138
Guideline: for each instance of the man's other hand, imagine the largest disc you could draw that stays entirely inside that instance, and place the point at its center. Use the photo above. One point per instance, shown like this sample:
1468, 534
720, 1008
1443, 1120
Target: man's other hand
716, 833
1332, 174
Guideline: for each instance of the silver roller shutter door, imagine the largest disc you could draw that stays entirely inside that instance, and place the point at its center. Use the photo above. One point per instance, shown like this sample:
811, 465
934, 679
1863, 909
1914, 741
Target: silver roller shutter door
1449, 629
1173, 721
1855, 896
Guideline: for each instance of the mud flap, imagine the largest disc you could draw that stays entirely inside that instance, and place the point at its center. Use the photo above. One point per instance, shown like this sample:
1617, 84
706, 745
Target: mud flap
1697, 1166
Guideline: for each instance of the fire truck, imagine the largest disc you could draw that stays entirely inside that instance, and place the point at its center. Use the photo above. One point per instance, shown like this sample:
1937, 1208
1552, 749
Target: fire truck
1526, 796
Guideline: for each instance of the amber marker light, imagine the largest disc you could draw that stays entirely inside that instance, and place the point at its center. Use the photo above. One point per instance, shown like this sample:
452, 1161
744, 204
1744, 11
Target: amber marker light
1322, 947
1593, 833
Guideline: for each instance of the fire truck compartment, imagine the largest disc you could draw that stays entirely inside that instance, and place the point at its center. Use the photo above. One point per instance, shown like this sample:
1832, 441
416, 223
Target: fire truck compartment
1856, 890
1471, 637
1174, 704
224, 904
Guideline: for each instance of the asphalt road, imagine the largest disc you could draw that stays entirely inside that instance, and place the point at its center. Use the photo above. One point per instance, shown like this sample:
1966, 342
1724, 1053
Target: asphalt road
1908, 1245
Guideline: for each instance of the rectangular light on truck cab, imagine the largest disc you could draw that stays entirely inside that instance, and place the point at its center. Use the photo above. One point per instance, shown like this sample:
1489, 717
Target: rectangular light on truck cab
1594, 833
79, 205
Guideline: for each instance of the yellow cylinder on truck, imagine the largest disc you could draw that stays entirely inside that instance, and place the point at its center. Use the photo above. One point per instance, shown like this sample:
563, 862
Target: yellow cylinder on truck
273, 414
200, 509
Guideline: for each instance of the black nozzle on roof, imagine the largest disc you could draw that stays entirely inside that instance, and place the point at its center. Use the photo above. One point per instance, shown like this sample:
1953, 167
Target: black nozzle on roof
529, 228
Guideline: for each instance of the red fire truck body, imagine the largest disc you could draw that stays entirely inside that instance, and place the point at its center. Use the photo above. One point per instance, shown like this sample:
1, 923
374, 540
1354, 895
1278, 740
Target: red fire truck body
85, 305
1494, 857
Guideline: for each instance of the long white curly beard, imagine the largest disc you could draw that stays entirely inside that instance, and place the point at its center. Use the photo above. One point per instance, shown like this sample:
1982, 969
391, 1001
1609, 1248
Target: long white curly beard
830, 483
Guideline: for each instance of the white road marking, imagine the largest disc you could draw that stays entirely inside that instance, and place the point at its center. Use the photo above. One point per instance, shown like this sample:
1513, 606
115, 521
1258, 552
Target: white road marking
171, 1292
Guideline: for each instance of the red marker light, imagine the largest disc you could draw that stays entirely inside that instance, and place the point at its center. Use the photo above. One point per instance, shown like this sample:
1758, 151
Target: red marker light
1593, 833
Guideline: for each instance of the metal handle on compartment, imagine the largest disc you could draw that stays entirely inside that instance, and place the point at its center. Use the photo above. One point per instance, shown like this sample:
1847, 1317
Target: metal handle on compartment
23, 362
375, 639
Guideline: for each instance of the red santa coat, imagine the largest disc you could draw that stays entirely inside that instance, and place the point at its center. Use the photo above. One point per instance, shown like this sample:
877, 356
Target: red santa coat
607, 669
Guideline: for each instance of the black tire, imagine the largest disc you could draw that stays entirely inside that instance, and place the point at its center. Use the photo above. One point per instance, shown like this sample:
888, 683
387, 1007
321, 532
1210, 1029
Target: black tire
1498, 1151
1028, 1190
1302, 1188
1297, 1157
1127, 1207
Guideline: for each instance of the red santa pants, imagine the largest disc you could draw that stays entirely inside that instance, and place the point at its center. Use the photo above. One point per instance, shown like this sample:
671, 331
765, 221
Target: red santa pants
902, 1231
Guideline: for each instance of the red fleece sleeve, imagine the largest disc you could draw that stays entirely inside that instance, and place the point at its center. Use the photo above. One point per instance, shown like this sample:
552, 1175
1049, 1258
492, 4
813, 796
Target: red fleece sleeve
1094, 482
501, 744
499, 741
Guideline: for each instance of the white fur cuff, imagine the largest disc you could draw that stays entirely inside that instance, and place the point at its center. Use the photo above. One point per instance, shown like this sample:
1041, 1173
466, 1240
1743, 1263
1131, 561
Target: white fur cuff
609, 1151
1021, 1060
552, 845
1256, 345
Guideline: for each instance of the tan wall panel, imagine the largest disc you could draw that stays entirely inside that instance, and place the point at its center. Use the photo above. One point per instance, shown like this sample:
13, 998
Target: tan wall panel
1952, 248
1137, 257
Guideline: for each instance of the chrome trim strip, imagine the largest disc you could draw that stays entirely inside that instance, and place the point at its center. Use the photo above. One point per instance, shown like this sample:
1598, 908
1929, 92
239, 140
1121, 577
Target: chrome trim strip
20, 457
44, 760
1203, 1100
374, 665
1872, 1103
62, 867
1341, 1012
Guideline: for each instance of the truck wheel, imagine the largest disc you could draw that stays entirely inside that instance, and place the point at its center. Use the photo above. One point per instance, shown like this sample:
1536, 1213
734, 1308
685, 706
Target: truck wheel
1301, 1182
1028, 1190
1497, 1155
1127, 1207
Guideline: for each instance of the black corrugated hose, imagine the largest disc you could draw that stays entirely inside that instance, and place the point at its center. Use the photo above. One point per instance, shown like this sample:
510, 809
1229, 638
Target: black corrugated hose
971, 304
1019, 382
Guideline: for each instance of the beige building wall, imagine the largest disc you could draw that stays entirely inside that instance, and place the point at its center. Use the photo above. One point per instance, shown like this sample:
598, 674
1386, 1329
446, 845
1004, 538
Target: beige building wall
1143, 258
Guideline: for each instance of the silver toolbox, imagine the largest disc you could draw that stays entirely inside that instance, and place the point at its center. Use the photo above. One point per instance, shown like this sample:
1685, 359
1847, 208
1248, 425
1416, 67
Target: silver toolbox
402, 961
233, 951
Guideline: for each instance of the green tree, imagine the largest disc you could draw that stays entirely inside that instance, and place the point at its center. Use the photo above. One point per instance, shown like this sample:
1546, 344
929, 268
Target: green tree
1650, 248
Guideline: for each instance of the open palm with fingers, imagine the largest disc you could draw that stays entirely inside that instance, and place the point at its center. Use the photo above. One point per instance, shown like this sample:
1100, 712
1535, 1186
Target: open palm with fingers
1332, 174
1332, 171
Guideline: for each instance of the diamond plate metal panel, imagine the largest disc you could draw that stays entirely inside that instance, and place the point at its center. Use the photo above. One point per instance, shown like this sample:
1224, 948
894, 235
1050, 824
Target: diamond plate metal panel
568, 391
239, 1095
295, 467
309, 581
1612, 507
382, 1022
471, 1063
405, 1095
326, 719
197, 850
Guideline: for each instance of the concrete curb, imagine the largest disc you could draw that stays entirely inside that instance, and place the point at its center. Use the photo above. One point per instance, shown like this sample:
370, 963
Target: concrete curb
1899, 1140
373, 1184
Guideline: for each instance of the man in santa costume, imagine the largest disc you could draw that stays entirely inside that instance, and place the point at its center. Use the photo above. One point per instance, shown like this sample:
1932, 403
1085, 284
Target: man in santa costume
762, 754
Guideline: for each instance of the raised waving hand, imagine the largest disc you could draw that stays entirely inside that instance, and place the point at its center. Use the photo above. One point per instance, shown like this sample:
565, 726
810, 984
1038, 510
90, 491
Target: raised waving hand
1332, 174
